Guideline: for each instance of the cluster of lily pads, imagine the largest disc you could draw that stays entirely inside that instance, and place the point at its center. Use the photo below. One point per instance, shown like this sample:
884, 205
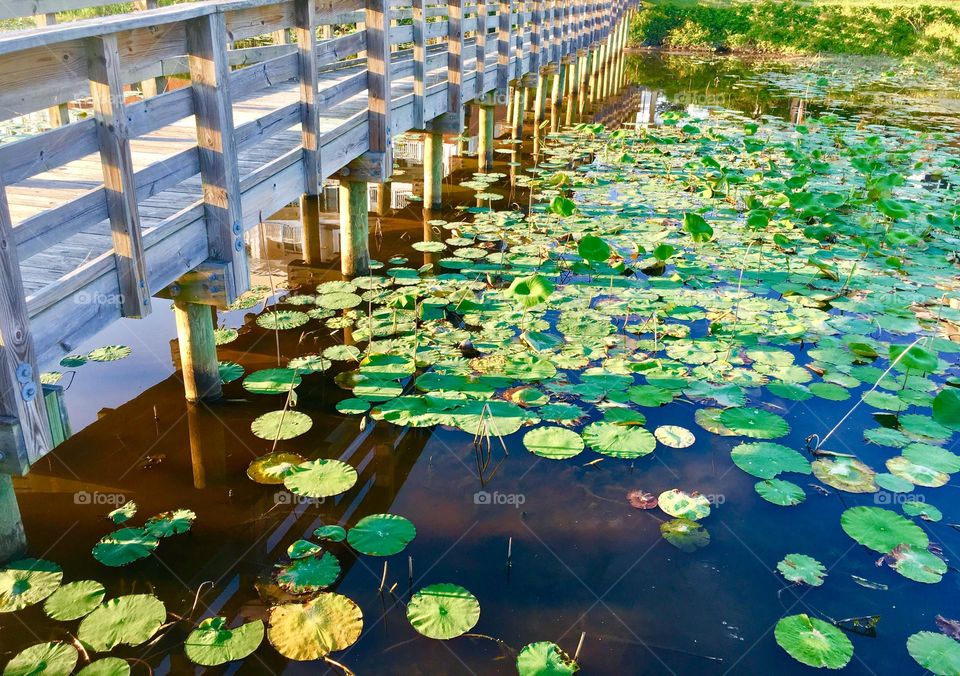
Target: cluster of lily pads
106, 353
742, 266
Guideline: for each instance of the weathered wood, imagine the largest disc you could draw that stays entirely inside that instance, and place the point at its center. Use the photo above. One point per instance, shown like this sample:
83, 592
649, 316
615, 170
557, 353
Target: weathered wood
198, 351
106, 92
58, 115
20, 396
204, 285
455, 61
504, 10
154, 85
209, 75
354, 228
485, 136
13, 539
432, 170
419, 62
306, 34
480, 42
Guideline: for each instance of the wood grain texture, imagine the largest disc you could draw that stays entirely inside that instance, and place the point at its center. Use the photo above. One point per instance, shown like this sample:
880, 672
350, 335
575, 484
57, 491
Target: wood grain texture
306, 34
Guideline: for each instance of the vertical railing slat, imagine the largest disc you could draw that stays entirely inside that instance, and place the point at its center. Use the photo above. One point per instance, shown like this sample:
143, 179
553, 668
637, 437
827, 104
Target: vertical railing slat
504, 21
305, 27
219, 170
419, 62
378, 83
481, 45
113, 135
454, 57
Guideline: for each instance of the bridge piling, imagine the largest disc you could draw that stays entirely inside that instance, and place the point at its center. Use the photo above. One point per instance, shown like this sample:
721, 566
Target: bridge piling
432, 170
354, 228
13, 539
198, 351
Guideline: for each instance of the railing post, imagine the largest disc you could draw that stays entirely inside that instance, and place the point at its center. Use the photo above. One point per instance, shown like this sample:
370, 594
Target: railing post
504, 21
481, 49
155, 85
306, 32
455, 58
219, 171
518, 46
378, 84
419, 62
106, 91
59, 114
24, 430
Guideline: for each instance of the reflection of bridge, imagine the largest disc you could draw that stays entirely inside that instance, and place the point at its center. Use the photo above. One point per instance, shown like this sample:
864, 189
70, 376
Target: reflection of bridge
155, 189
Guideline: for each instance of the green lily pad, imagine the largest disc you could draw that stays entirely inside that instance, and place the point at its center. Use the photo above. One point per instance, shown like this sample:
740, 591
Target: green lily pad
124, 513
925, 511
802, 568
271, 381
677, 503
125, 620
894, 484
229, 371
271, 469
780, 492
545, 658
674, 436
110, 353
767, 459
934, 457
321, 478
280, 320
124, 546
303, 548
919, 565
281, 425
813, 642
213, 643
353, 406
754, 423
225, 336
916, 474
946, 407
554, 443
937, 653
443, 611
341, 353
170, 523
106, 666
332, 533
312, 363
619, 441
26, 582
381, 534
311, 630
845, 474
309, 574
43, 659
684, 534
881, 529
74, 600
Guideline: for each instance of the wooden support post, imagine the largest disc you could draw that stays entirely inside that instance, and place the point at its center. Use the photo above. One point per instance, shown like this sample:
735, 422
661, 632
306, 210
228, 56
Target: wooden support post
571, 101
310, 224
536, 35
485, 136
24, 431
58, 115
433, 170
582, 81
595, 58
384, 198
198, 351
540, 100
354, 228
555, 98
13, 539
480, 42
113, 134
155, 85
504, 21
455, 60
219, 170
520, 39
518, 109
419, 63
306, 32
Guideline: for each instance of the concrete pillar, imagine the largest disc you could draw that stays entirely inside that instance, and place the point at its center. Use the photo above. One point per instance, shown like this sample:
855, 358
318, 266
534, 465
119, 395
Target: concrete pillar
432, 170
485, 136
354, 228
198, 351
13, 539
310, 224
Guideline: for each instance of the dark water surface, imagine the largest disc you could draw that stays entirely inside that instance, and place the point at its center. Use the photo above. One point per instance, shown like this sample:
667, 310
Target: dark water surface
582, 559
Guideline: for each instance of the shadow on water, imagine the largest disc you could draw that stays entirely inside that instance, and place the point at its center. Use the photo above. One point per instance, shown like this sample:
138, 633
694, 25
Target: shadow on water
582, 559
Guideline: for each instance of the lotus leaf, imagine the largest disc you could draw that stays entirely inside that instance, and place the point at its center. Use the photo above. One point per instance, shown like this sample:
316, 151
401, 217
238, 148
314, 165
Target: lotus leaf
443, 611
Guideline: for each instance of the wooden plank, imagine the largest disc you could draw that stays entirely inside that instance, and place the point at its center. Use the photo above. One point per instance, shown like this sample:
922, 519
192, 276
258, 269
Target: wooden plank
480, 44
20, 392
306, 33
210, 75
113, 134
455, 57
419, 62
504, 11
379, 90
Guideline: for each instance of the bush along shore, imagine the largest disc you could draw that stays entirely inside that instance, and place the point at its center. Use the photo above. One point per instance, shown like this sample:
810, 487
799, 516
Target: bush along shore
787, 27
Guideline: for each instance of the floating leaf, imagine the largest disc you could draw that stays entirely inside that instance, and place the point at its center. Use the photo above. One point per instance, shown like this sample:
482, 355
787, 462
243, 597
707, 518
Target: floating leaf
124, 513
311, 630
674, 436
919, 565
43, 659
619, 441
813, 642
381, 534
554, 443
302, 548
332, 533
754, 423
925, 511
309, 574
273, 468
27, 581
281, 425
107, 666
213, 643
74, 600
127, 620
170, 523
780, 492
443, 611
545, 659
109, 353
935, 652
845, 474
641, 500
684, 534
282, 319
802, 568
946, 407
321, 478
881, 529
124, 546
229, 371
692, 506
271, 381
767, 459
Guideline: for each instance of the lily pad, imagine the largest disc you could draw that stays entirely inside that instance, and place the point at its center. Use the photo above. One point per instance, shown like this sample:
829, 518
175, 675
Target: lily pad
74, 600
882, 530
754, 423
919, 565
937, 653
213, 643
813, 642
170, 523
332, 533
780, 492
381, 534
106, 666
124, 546
311, 630
273, 468
443, 611
684, 534
674, 436
43, 659
619, 441
321, 478
309, 574
692, 506
766, 459
845, 474
110, 353
554, 443
272, 381
545, 658
281, 425
124, 513
802, 568
280, 320
26, 582
125, 620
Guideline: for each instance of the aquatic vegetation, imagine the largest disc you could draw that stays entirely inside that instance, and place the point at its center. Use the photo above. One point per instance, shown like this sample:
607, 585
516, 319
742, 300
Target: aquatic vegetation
882, 530
443, 611
813, 642
74, 600
935, 652
802, 568
26, 582
125, 620
212, 643
381, 534
308, 631
51, 658
320, 478
545, 658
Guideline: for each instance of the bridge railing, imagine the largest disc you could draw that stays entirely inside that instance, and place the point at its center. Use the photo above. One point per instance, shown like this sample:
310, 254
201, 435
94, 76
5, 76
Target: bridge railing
154, 184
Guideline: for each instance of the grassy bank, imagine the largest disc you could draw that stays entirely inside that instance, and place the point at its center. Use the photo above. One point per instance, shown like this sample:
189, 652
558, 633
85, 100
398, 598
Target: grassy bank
929, 28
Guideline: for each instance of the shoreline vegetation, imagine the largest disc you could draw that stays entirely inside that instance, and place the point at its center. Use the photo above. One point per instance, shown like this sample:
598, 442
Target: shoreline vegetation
922, 29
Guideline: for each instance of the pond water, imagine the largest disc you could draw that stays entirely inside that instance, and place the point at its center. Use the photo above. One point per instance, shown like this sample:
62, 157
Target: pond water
792, 330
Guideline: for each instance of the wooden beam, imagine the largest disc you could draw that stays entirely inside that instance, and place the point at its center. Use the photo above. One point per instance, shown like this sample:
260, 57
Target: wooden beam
204, 285
58, 115
378, 82
455, 58
154, 85
219, 171
113, 133
480, 42
504, 21
21, 400
306, 32
354, 228
419, 62
198, 351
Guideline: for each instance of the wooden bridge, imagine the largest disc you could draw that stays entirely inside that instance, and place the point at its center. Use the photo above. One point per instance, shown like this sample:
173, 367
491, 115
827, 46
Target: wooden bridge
152, 189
